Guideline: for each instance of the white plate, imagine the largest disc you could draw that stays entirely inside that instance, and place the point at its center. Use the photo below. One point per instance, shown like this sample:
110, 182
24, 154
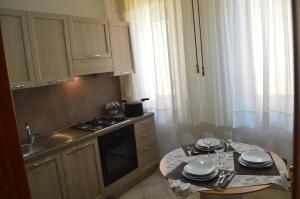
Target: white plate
268, 164
255, 164
256, 157
199, 168
201, 179
201, 143
210, 148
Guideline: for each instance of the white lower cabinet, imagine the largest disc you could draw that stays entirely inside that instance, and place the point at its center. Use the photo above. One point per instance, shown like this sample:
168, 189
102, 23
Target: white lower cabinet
46, 178
146, 144
72, 174
76, 173
82, 171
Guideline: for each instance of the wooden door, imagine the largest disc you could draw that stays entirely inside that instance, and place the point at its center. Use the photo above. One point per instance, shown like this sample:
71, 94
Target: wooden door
17, 48
50, 42
13, 182
46, 178
296, 27
121, 48
82, 170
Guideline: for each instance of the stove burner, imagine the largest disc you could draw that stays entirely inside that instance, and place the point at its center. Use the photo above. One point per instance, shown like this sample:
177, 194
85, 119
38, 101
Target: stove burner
98, 124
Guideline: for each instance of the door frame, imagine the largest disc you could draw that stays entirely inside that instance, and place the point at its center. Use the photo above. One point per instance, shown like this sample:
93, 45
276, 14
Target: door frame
296, 29
13, 180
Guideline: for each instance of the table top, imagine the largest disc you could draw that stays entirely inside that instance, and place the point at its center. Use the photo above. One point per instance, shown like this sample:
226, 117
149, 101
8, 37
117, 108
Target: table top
228, 191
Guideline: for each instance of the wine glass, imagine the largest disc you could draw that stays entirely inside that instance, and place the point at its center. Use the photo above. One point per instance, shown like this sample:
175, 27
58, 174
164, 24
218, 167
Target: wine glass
208, 141
219, 151
228, 140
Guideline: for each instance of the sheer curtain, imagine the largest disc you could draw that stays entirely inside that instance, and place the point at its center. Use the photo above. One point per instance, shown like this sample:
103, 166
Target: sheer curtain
249, 63
158, 48
247, 54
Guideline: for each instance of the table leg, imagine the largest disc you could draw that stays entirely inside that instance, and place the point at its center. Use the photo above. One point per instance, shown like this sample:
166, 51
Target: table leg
210, 196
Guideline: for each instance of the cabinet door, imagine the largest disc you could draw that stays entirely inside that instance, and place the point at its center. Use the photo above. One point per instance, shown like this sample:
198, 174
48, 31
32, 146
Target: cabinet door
89, 38
121, 48
17, 48
147, 157
46, 178
146, 143
49, 36
82, 170
90, 43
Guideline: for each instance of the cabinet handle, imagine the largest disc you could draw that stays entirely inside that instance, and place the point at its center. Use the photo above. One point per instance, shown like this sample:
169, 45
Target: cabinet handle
144, 122
61, 80
124, 73
80, 147
57, 81
94, 56
145, 135
39, 163
146, 148
19, 86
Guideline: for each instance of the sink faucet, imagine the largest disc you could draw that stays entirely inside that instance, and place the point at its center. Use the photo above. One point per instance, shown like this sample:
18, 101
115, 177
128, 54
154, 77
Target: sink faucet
30, 136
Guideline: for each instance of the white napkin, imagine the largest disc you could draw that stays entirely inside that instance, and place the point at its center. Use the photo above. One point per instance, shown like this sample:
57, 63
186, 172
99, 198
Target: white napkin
181, 185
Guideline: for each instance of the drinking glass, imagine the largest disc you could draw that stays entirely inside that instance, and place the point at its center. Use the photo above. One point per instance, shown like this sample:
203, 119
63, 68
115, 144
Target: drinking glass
208, 140
228, 140
219, 151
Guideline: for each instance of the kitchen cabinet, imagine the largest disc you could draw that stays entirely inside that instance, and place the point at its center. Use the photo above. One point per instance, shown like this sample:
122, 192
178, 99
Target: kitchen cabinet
146, 144
14, 26
46, 178
121, 48
82, 171
91, 50
49, 36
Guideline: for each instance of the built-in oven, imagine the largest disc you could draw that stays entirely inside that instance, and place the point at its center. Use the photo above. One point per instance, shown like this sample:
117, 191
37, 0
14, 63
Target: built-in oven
118, 154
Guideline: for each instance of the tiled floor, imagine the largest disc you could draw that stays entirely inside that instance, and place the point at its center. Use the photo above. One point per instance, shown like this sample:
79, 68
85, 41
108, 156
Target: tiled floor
155, 187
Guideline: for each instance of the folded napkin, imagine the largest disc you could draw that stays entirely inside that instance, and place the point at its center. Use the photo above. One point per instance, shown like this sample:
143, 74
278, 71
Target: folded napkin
176, 175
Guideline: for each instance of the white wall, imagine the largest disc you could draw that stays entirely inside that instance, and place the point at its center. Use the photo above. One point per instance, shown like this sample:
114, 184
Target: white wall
112, 10
85, 8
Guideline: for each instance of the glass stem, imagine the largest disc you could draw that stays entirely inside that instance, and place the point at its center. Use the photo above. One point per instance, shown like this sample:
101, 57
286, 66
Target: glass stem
208, 152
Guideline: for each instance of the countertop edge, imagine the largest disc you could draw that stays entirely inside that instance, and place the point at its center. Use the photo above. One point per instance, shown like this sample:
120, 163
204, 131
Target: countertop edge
63, 146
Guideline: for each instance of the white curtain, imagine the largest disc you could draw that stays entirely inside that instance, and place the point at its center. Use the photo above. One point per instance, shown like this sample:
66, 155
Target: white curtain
247, 54
158, 49
249, 63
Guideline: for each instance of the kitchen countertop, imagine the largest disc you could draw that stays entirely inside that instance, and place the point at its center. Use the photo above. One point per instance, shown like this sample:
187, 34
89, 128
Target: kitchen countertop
68, 137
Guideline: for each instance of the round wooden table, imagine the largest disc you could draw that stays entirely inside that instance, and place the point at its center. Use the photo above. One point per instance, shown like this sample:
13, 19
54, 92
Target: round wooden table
231, 193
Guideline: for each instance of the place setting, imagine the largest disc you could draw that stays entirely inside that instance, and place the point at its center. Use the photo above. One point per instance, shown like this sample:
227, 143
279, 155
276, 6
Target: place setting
202, 173
208, 145
254, 163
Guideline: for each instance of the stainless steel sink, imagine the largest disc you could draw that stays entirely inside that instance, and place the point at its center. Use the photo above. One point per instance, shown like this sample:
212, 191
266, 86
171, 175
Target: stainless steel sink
29, 149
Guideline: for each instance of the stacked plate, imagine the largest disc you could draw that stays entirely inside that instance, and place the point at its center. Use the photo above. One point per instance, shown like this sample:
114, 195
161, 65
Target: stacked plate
256, 159
200, 171
216, 144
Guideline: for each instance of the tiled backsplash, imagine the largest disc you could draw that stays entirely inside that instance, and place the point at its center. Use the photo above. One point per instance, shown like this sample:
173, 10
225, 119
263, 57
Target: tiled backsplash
50, 108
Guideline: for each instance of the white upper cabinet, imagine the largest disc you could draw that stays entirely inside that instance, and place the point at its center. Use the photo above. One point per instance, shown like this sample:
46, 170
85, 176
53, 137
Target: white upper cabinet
17, 48
91, 50
43, 49
49, 35
121, 48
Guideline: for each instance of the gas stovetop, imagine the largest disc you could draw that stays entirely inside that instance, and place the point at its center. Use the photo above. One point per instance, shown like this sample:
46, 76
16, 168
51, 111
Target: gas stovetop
98, 124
